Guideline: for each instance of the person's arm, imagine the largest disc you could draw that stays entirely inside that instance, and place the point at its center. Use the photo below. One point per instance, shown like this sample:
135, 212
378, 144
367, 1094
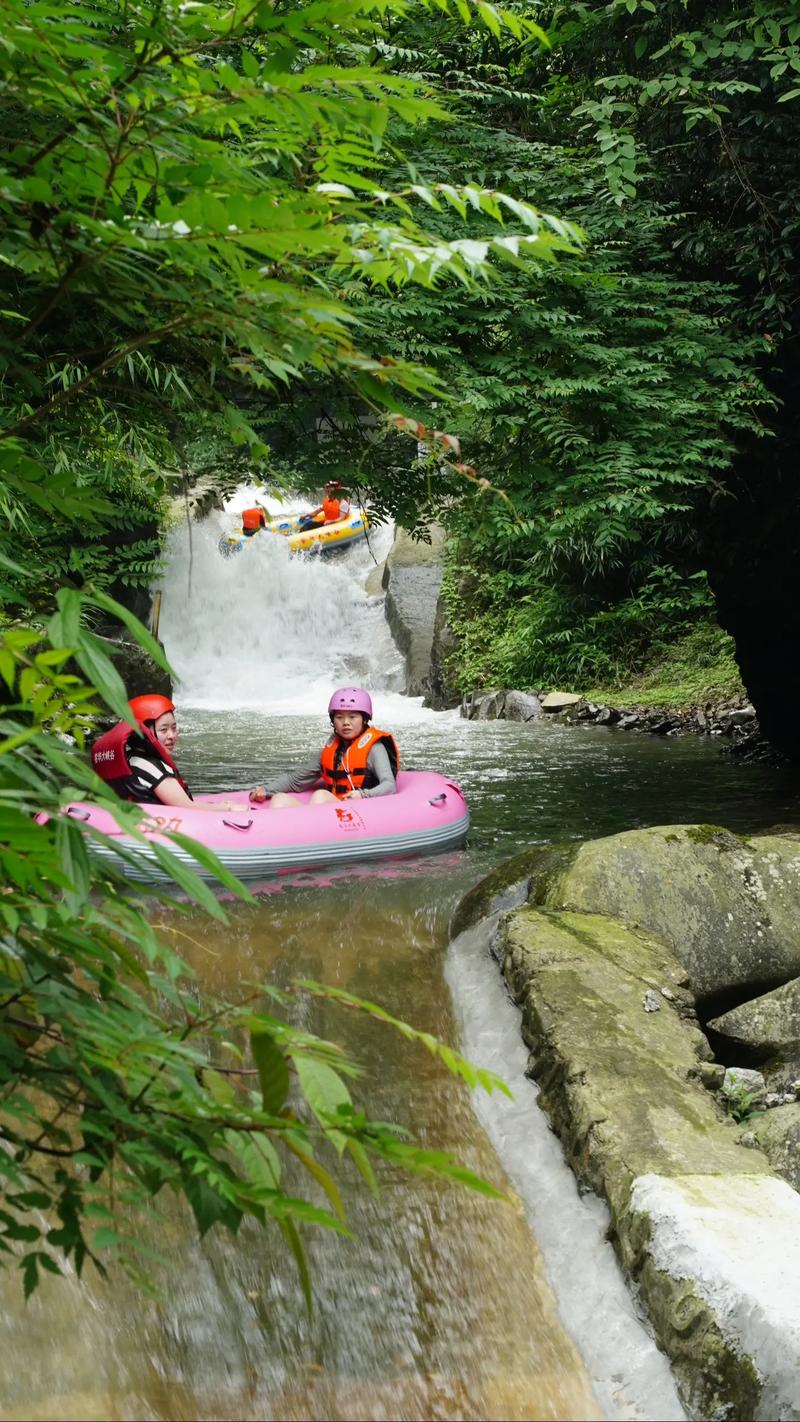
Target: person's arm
169, 792
379, 763
303, 777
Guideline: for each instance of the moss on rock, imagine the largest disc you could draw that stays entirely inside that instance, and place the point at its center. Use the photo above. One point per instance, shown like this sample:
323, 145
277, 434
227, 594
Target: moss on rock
620, 1086
528, 873
727, 907
778, 1134
618, 1082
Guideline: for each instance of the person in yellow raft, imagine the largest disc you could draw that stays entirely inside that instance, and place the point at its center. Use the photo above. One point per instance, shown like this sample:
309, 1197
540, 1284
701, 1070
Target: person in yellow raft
335, 506
358, 762
252, 520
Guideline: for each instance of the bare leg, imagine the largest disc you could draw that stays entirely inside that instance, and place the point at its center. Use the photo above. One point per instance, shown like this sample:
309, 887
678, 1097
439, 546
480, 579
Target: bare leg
282, 801
321, 797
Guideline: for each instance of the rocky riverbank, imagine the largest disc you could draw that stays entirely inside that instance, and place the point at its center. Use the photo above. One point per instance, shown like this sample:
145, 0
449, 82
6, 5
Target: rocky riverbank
732, 721
636, 960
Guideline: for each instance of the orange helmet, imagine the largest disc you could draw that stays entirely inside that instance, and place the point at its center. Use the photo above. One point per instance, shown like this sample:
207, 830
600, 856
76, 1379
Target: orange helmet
150, 707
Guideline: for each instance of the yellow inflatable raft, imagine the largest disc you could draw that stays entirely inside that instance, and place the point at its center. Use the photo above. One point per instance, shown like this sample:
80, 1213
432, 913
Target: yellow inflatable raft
324, 536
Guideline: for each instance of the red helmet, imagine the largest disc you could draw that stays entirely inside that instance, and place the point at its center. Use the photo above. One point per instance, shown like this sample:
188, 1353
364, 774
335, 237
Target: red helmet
150, 707
351, 698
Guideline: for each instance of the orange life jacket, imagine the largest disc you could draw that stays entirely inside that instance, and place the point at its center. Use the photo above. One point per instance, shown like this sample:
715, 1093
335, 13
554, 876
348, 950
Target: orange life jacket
344, 766
110, 757
330, 508
253, 519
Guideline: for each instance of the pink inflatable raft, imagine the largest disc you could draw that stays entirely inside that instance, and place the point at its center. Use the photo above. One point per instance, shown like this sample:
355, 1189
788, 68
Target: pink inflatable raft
428, 814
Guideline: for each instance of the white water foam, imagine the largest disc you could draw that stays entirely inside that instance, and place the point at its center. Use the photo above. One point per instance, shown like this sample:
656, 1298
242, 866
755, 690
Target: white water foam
274, 632
632, 1379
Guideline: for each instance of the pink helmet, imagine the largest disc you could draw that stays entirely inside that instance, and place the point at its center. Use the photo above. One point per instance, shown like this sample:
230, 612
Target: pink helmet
351, 698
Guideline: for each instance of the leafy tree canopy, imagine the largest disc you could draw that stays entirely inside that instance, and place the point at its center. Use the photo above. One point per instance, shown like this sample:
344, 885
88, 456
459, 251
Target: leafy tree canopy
189, 194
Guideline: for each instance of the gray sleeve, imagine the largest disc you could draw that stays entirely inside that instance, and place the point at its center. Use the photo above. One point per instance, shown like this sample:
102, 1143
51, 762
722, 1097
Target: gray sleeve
303, 777
380, 765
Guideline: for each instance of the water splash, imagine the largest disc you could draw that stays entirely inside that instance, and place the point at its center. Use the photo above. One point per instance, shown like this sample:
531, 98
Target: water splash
273, 632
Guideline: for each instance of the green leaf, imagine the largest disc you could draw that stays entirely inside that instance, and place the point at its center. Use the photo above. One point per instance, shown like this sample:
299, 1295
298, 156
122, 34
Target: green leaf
321, 1175
219, 1087
30, 1273
74, 862
291, 1235
325, 1093
210, 861
99, 669
187, 880
208, 1206
363, 1164
273, 1071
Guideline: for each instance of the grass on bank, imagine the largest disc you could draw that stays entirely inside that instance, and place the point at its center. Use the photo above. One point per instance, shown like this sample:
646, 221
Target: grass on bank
696, 669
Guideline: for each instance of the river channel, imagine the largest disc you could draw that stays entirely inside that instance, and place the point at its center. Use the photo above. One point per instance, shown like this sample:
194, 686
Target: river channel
443, 1305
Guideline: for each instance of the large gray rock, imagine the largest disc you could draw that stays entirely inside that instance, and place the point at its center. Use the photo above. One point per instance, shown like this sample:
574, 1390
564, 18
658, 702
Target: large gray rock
778, 1134
729, 907
483, 705
501, 705
770, 1022
522, 706
703, 1229
559, 700
412, 578
443, 691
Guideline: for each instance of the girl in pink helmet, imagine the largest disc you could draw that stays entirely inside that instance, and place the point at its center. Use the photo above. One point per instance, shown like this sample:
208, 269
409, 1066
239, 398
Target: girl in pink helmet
357, 762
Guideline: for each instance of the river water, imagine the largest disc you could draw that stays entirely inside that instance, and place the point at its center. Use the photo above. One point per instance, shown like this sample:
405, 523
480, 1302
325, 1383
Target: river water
443, 1305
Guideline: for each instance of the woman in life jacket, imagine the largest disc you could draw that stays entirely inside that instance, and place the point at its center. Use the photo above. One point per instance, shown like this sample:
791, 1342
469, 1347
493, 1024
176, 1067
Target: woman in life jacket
358, 762
136, 757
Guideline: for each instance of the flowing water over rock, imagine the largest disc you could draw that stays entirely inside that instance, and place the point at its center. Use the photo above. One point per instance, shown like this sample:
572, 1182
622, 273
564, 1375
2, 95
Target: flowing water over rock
443, 1305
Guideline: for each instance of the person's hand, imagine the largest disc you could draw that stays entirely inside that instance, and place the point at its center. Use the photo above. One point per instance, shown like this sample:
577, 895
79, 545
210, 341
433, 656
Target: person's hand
258, 795
354, 795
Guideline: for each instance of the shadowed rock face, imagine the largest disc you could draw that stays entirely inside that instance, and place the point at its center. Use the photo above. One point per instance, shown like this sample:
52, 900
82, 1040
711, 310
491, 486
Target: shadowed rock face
750, 546
139, 672
412, 579
770, 1023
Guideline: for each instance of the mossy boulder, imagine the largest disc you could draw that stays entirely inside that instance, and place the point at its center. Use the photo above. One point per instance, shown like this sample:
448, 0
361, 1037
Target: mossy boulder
728, 907
619, 1082
778, 1134
513, 882
708, 1235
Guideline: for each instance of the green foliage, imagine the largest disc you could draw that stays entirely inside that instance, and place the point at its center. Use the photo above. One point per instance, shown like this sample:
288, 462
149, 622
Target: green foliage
703, 97
678, 669
607, 399
743, 1105
186, 189
119, 1075
191, 199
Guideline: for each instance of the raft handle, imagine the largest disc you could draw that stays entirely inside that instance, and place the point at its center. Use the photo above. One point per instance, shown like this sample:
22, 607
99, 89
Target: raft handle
438, 799
233, 825
78, 814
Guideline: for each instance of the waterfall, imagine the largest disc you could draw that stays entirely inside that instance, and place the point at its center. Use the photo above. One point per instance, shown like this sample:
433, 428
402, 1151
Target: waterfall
271, 631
